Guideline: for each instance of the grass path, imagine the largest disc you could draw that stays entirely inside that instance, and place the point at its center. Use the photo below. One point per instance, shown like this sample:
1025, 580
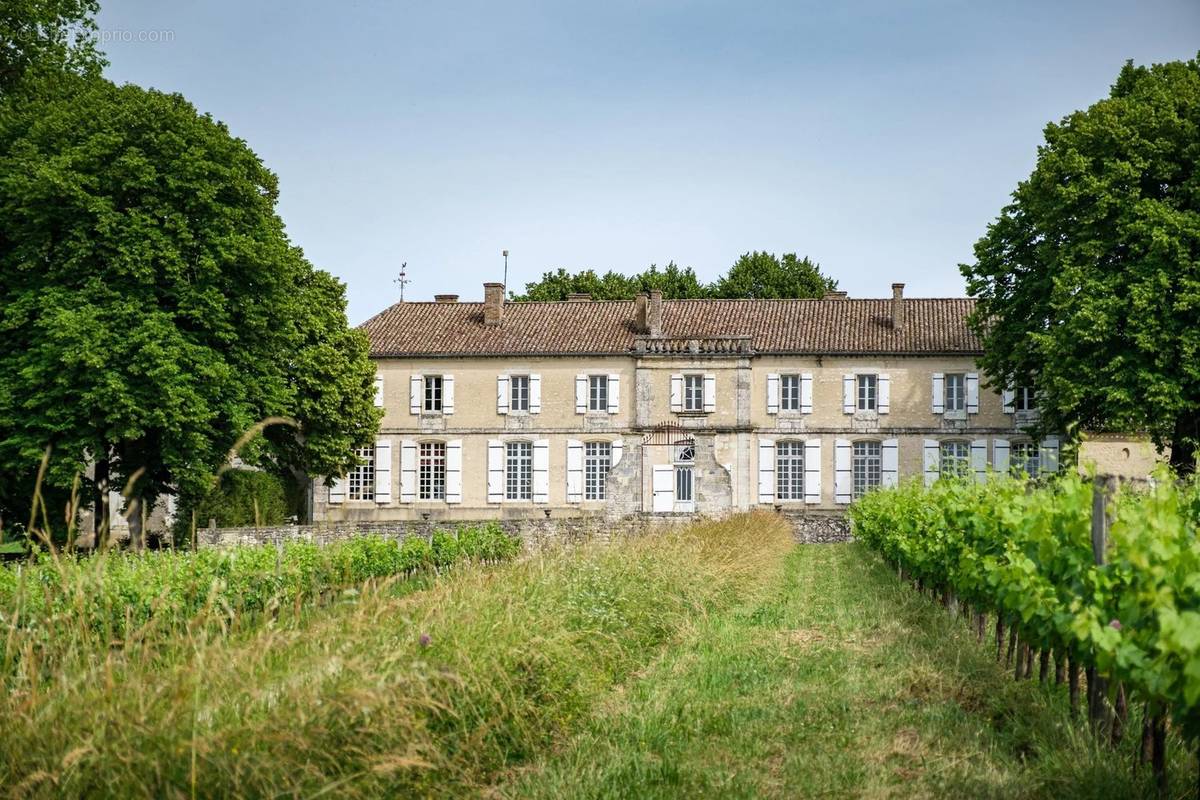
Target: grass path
839, 682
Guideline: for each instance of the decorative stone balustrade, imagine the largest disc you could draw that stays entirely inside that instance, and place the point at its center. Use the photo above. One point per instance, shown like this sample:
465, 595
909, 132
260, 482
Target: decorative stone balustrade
691, 345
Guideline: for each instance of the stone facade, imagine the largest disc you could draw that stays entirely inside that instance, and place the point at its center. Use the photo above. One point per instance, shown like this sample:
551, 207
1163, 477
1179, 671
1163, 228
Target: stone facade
909, 349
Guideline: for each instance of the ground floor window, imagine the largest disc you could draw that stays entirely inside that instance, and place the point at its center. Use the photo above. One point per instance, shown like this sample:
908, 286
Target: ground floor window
360, 483
597, 461
431, 484
789, 470
1026, 457
683, 484
518, 471
867, 467
956, 459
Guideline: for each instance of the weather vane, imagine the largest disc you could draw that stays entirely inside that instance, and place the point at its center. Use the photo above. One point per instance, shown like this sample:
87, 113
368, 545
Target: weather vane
402, 280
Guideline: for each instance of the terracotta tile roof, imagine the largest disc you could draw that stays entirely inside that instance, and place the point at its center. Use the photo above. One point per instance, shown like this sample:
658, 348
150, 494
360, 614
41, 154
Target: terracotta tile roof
607, 327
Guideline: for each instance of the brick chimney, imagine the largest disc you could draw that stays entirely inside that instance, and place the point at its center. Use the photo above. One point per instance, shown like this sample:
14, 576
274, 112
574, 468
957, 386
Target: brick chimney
835, 296
493, 303
654, 313
898, 306
639, 312
578, 297
445, 298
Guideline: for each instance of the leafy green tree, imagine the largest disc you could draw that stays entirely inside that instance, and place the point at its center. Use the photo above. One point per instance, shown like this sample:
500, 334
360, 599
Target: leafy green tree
152, 309
674, 281
766, 276
47, 36
1088, 283
242, 497
753, 275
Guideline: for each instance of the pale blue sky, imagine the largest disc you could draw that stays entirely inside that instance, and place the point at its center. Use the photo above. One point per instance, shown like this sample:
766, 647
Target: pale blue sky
878, 138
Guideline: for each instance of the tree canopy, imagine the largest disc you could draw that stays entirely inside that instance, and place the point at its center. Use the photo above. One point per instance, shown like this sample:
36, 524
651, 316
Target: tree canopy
1088, 283
754, 274
47, 36
152, 308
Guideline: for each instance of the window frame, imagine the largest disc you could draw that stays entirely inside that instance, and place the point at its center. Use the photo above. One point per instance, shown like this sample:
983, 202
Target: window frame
866, 468
433, 393
693, 390
518, 393
789, 470
961, 463
360, 480
597, 463
958, 379
866, 391
431, 470
1019, 464
518, 470
790, 400
1025, 399
597, 396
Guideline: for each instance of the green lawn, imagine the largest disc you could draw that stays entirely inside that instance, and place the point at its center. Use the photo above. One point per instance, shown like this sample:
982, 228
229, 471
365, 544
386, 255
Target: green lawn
836, 682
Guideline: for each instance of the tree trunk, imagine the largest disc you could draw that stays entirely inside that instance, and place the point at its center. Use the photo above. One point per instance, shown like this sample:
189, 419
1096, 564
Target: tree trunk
1147, 751
1012, 645
1043, 665
999, 636
1073, 685
1183, 453
1060, 668
1159, 760
100, 503
1120, 714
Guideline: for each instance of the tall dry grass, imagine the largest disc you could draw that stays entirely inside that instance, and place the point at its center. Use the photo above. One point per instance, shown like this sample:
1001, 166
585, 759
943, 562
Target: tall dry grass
430, 694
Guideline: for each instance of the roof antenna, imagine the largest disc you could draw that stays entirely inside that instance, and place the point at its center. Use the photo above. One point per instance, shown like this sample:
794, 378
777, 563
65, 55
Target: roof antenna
402, 280
505, 270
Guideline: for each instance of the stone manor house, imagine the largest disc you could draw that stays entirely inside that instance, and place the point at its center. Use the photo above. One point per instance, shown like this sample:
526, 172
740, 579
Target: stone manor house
523, 410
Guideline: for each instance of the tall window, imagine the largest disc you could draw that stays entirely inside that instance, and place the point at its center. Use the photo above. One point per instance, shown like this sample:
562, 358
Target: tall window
597, 460
1026, 457
518, 471
693, 392
867, 466
956, 391
1025, 399
433, 392
789, 392
789, 470
956, 459
431, 477
518, 391
868, 386
685, 458
360, 483
598, 393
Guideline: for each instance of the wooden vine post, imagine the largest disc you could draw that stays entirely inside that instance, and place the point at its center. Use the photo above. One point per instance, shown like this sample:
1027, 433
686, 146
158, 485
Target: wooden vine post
1102, 493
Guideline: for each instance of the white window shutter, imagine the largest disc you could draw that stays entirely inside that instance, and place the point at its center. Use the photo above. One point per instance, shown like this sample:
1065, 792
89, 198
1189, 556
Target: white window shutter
1000, 455
414, 394
447, 394
614, 393
812, 471
848, 399
574, 471
677, 392
1049, 454
710, 392
581, 392
501, 394
772, 393
541, 471
1008, 399
933, 461
843, 477
939, 393
618, 447
884, 399
535, 394
378, 391
495, 471
972, 392
979, 459
806, 399
383, 471
337, 491
766, 470
889, 462
408, 471
454, 476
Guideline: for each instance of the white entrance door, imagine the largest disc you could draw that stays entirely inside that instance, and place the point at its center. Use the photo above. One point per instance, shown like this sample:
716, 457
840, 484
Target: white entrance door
663, 484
